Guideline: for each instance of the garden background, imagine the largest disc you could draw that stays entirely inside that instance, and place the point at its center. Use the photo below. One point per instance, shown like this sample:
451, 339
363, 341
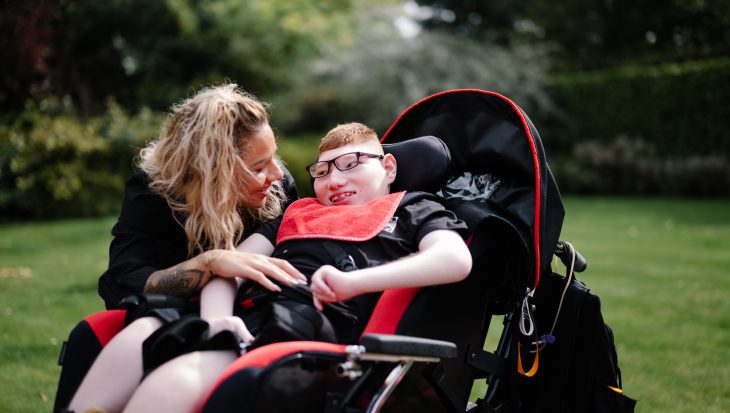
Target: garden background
631, 101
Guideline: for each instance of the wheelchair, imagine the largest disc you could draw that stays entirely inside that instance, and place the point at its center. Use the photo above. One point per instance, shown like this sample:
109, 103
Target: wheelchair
422, 349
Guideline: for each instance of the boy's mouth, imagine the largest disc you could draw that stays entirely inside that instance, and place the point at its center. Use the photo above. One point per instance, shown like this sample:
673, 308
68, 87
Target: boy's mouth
341, 197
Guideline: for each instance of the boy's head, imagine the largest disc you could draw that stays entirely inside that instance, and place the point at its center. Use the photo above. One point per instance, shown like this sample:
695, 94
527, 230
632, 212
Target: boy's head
351, 168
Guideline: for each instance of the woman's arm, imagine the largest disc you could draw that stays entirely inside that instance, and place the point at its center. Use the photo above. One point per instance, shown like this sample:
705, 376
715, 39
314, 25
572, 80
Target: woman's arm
217, 296
250, 261
442, 258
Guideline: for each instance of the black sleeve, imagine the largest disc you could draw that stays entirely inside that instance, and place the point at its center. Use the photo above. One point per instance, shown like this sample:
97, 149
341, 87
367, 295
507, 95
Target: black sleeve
270, 229
426, 215
146, 238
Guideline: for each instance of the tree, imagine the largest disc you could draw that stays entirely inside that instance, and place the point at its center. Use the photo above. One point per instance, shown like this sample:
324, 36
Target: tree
24, 38
153, 52
592, 34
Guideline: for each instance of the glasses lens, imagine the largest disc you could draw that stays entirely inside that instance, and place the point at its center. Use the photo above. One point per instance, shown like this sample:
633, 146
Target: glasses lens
346, 161
319, 169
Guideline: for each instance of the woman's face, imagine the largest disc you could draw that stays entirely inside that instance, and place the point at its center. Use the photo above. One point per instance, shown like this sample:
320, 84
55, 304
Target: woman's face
259, 158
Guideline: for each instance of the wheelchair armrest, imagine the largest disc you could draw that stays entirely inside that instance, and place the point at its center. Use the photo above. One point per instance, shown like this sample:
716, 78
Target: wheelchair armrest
407, 346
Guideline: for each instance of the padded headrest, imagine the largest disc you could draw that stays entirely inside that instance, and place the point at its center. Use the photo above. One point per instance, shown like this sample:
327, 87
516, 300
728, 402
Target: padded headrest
424, 164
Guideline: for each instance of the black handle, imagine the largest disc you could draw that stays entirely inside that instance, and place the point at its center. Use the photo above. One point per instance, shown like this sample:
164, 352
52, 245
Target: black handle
565, 252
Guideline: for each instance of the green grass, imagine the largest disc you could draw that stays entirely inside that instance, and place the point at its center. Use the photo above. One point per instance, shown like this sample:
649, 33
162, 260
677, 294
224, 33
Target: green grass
660, 266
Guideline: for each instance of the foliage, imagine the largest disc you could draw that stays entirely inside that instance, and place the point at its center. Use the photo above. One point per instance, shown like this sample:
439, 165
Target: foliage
24, 35
594, 34
53, 164
379, 71
679, 109
631, 166
150, 53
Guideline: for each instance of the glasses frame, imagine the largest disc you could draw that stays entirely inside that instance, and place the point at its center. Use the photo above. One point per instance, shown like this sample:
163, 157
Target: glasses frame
333, 161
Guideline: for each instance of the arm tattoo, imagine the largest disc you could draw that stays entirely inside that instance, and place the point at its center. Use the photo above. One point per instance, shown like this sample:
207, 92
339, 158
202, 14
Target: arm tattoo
182, 282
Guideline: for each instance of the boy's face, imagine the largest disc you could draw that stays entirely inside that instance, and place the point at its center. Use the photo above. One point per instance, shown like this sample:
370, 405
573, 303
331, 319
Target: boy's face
365, 182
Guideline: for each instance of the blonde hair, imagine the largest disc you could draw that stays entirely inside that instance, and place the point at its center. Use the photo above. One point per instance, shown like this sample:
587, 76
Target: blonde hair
195, 165
348, 134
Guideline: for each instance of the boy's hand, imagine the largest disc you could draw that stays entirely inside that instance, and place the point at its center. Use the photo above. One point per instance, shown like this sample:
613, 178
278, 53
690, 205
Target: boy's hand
231, 323
330, 284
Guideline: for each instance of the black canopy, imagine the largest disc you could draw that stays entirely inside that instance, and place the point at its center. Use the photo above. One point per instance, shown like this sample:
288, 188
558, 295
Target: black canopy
487, 133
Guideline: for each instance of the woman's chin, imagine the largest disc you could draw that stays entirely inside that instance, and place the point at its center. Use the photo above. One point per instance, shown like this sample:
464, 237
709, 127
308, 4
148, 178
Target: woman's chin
252, 202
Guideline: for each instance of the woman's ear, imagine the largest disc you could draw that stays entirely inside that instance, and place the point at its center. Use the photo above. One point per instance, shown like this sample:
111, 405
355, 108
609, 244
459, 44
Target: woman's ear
391, 168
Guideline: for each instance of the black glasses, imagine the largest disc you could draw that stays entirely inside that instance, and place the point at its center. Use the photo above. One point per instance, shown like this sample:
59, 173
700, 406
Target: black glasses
343, 162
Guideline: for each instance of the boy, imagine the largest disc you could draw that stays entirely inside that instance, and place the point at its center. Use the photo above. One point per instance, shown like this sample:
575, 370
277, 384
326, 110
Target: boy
354, 216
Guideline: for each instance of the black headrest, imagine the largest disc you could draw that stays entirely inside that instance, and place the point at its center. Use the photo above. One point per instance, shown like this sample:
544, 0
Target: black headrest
424, 164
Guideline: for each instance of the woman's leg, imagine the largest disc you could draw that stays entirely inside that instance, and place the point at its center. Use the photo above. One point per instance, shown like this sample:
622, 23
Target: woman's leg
117, 371
179, 385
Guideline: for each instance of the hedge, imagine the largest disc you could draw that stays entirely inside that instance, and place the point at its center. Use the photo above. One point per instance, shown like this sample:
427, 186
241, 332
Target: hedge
678, 109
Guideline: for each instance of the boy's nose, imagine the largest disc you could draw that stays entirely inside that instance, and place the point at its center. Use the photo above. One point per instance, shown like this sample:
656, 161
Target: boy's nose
336, 178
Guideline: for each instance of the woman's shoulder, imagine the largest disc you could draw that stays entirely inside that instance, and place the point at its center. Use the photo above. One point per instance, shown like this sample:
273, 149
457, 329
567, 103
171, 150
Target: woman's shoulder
142, 207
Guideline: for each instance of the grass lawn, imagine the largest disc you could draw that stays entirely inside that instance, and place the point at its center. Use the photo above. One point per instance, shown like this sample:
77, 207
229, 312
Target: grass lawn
660, 266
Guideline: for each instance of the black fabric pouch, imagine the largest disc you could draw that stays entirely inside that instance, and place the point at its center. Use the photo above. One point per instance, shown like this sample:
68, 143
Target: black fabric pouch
290, 320
185, 335
166, 307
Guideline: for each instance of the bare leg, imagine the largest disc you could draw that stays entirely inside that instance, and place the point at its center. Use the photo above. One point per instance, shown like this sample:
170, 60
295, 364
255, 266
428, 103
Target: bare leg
116, 373
179, 385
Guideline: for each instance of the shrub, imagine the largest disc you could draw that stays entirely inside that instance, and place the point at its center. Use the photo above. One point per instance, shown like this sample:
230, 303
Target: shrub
632, 166
53, 164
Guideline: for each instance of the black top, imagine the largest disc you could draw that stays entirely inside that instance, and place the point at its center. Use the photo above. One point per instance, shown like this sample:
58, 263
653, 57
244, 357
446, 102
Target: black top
418, 214
147, 238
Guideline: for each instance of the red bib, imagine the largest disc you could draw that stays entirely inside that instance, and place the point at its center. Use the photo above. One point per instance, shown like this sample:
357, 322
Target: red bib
307, 218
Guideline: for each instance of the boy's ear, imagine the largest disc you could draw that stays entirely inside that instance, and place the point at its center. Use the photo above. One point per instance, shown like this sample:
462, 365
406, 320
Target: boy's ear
391, 168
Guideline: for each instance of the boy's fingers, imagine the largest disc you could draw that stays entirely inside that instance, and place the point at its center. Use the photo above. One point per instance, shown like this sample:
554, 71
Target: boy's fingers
318, 304
322, 290
239, 327
246, 335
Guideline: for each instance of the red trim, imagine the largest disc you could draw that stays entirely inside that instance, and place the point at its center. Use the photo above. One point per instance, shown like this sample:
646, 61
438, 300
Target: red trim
389, 310
106, 324
247, 304
533, 149
264, 356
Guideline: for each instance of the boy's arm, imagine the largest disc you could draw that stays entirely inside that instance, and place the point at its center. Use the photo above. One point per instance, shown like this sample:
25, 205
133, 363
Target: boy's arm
218, 296
442, 258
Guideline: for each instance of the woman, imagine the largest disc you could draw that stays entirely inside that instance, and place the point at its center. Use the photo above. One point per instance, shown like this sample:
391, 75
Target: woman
208, 180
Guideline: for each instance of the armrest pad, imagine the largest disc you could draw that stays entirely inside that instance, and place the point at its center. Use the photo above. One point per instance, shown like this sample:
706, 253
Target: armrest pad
406, 345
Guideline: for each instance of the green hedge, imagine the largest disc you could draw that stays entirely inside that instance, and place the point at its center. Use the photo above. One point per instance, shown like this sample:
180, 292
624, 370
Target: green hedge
678, 109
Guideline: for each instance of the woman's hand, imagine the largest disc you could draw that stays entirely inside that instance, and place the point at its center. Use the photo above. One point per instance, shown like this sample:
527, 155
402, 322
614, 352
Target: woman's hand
330, 284
230, 323
255, 267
